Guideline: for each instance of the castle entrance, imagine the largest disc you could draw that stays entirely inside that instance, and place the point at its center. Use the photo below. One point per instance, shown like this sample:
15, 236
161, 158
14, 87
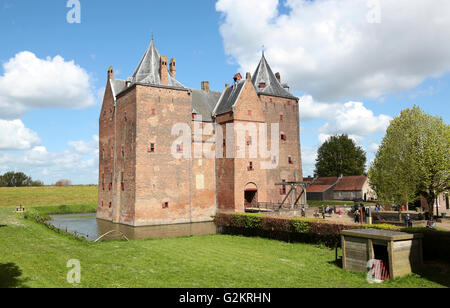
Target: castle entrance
251, 196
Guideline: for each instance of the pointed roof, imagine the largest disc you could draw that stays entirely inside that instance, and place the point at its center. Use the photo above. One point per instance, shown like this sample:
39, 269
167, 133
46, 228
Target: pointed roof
229, 98
147, 71
264, 74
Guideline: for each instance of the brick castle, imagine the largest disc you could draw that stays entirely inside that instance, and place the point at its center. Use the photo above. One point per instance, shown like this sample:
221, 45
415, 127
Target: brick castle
142, 182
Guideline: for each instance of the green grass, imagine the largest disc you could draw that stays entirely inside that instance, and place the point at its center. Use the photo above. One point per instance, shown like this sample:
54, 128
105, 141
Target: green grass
48, 196
33, 256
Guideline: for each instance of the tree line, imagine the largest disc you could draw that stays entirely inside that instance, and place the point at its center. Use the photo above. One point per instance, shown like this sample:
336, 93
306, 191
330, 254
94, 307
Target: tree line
18, 179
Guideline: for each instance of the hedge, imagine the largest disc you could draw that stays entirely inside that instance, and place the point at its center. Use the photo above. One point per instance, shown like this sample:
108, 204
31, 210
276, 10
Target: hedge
436, 244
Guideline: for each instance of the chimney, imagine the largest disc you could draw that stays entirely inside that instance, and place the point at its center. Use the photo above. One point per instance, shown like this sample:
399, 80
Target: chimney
163, 71
205, 86
248, 76
237, 77
110, 73
278, 77
173, 68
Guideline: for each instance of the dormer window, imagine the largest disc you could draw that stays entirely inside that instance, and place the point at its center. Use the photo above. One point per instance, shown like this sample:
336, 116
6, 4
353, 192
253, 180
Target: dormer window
262, 85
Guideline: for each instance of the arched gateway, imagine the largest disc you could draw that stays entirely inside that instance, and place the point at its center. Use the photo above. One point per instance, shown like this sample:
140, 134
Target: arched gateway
250, 195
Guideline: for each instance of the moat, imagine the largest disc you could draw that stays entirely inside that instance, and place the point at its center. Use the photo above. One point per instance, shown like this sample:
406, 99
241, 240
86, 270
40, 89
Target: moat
88, 226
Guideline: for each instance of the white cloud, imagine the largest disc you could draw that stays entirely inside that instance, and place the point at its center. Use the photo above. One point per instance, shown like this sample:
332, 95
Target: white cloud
29, 82
15, 136
79, 163
354, 119
328, 49
309, 155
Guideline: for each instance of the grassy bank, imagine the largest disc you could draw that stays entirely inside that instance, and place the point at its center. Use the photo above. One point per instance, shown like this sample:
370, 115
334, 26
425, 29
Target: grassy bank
33, 256
48, 196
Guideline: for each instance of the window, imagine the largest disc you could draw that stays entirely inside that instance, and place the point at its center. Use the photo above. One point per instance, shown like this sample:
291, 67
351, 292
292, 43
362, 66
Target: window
179, 148
103, 181
151, 148
165, 205
194, 116
125, 117
249, 112
249, 142
283, 137
250, 166
274, 160
289, 103
283, 188
291, 162
262, 85
281, 117
122, 181
110, 204
153, 111
123, 151
111, 181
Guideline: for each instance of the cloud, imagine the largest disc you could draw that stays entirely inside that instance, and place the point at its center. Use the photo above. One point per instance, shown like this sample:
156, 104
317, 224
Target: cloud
79, 163
15, 136
334, 50
29, 82
354, 119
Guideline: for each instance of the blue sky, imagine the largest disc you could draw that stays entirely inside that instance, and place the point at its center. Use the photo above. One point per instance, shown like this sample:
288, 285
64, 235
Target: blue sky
340, 65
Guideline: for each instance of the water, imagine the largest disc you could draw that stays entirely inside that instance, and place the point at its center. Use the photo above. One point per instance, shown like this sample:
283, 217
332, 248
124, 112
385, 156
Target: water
87, 225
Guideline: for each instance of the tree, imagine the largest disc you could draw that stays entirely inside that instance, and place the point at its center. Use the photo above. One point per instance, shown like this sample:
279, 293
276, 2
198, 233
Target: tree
338, 156
18, 179
413, 159
63, 183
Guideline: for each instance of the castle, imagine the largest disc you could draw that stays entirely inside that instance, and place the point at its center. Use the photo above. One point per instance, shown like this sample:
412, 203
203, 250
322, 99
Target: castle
149, 176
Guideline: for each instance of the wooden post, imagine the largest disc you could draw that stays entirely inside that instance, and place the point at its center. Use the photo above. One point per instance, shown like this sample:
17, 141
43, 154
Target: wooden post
391, 259
344, 255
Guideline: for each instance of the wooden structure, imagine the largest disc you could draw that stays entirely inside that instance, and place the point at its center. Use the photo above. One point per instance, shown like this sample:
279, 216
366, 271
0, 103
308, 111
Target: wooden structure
293, 193
398, 253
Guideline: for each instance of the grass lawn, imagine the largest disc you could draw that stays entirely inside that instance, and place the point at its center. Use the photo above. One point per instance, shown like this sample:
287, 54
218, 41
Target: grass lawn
48, 196
33, 256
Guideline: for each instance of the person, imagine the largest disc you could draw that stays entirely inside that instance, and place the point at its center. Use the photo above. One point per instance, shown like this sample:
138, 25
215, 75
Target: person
340, 213
303, 212
430, 224
357, 216
408, 221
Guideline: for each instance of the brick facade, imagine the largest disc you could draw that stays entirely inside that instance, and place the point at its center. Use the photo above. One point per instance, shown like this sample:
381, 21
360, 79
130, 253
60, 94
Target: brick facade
142, 183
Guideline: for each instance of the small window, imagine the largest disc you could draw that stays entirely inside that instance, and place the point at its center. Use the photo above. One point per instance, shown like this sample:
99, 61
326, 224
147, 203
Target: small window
249, 142
291, 162
125, 117
249, 112
289, 103
283, 137
283, 188
194, 116
179, 148
151, 148
122, 180
153, 111
165, 205
262, 85
281, 117
250, 166
123, 151
110, 204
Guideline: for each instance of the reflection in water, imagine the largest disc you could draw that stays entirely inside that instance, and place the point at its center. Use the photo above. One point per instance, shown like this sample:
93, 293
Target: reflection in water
88, 225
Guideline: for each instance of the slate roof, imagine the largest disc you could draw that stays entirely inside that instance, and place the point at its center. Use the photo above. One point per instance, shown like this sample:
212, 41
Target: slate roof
264, 74
351, 183
203, 103
118, 86
147, 71
229, 98
322, 184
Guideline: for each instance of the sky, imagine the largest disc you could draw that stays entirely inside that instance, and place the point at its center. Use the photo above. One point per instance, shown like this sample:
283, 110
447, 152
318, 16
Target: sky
354, 64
